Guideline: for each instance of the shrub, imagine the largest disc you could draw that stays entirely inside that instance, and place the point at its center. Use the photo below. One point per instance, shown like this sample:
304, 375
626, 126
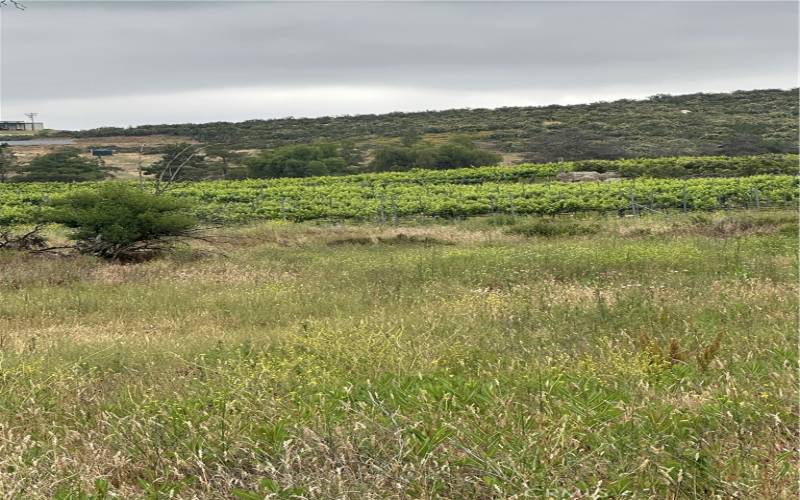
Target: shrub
65, 165
119, 221
301, 160
555, 227
454, 154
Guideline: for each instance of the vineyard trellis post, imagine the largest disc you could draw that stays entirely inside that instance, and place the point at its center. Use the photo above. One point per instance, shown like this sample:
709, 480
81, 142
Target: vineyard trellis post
684, 200
394, 209
634, 206
382, 209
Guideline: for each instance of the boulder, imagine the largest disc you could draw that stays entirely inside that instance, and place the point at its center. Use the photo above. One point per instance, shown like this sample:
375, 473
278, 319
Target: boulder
578, 176
606, 176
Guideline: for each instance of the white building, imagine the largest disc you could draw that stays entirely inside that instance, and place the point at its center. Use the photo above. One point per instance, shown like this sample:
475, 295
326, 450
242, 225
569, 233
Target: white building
21, 126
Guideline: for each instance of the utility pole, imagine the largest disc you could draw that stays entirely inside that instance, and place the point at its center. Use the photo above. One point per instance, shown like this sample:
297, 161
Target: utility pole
139, 167
32, 116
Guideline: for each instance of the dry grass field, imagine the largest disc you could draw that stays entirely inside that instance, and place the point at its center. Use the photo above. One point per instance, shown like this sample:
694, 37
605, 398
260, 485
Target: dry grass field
476, 359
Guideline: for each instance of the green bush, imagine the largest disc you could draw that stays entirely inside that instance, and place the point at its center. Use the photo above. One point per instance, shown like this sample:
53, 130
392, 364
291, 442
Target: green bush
459, 152
555, 227
65, 165
303, 160
119, 221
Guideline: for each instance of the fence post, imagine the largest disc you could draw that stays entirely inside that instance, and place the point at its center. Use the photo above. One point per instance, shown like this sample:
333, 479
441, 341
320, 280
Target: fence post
382, 209
394, 210
683, 199
634, 206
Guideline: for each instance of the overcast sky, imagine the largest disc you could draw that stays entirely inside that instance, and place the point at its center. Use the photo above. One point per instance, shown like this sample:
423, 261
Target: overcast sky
86, 64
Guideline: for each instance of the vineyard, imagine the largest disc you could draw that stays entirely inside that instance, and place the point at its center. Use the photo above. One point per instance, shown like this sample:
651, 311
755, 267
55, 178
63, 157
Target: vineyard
527, 189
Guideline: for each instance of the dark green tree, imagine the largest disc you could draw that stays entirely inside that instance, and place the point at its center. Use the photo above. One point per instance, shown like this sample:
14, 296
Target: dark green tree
393, 158
459, 152
64, 165
226, 157
303, 160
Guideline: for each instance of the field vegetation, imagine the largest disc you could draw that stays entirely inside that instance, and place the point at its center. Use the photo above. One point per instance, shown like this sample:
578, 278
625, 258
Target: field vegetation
572, 357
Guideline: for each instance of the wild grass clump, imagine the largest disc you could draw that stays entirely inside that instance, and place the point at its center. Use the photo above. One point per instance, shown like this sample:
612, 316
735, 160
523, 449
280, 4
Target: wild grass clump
549, 228
395, 239
675, 353
737, 224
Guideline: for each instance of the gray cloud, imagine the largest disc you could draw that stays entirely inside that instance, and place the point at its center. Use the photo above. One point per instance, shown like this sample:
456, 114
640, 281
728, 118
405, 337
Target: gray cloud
82, 54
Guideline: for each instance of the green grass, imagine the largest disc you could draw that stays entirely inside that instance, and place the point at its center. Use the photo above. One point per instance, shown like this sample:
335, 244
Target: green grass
652, 358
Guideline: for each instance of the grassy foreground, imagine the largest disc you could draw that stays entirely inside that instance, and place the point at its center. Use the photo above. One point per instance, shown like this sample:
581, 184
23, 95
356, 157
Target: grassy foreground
641, 358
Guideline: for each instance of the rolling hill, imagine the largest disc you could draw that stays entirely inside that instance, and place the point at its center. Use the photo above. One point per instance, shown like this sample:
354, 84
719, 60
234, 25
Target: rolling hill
737, 123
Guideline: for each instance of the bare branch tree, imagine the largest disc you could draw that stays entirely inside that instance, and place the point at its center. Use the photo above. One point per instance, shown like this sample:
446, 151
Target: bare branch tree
30, 240
167, 176
13, 3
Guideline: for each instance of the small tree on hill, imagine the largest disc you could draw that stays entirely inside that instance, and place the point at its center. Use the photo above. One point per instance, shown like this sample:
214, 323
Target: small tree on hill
65, 165
226, 156
458, 152
301, 160
393, 158
351, 154
118, 221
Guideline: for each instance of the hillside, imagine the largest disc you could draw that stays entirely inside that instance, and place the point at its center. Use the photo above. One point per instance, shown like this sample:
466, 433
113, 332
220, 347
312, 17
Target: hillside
742, 122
